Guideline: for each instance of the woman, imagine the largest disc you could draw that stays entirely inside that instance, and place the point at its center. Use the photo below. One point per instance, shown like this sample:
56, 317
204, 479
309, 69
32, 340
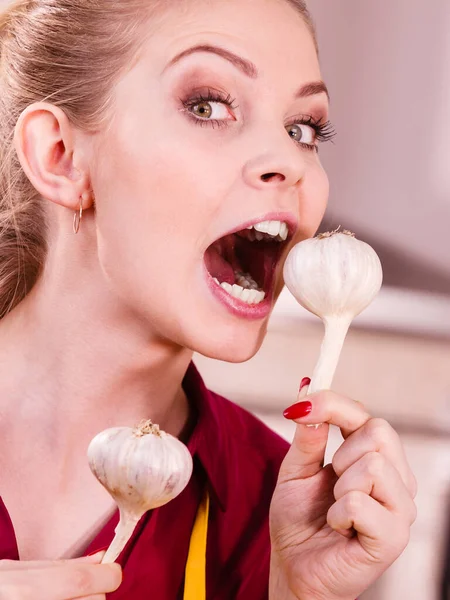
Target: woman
164, 134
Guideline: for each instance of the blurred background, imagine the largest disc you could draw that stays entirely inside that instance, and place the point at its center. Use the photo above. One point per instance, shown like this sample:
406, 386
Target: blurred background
386, 65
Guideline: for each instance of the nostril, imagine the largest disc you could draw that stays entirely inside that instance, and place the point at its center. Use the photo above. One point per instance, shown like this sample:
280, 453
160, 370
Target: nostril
272, 177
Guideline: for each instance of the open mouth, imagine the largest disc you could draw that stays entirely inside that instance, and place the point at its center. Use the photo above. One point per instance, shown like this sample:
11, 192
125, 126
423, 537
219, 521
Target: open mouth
244, 263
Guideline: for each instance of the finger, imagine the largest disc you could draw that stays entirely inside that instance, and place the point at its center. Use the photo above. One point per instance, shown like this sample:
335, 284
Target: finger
328, 407
95, 557
375, 436
65, 583
305, 458
91, 579
304, 386
377, 477
303, 391
74, 581
17, 565
378, 531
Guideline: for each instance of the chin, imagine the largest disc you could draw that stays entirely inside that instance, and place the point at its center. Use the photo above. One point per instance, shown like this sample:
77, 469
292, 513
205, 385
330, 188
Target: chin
237, 344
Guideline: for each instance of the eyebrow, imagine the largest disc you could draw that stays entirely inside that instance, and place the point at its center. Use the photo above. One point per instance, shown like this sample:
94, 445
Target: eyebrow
247, 67
312, 89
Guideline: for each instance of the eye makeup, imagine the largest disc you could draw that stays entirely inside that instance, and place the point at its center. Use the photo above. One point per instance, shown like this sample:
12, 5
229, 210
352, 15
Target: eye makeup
203, 98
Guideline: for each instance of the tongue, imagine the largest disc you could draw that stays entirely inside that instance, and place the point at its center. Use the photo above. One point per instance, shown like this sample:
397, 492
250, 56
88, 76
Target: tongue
218, 267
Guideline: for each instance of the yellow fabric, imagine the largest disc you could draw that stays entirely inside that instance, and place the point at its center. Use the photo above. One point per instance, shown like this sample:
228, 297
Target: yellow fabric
195, 576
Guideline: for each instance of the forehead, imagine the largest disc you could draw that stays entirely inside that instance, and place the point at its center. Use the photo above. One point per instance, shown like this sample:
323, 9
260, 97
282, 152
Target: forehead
271, 33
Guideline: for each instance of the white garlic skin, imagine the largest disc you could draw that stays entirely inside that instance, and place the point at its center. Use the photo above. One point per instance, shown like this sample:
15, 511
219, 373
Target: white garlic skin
140, 472
333, 276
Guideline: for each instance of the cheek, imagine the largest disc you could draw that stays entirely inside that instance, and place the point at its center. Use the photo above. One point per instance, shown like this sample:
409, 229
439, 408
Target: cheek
164, 180
158, 196
166, 165
315, 192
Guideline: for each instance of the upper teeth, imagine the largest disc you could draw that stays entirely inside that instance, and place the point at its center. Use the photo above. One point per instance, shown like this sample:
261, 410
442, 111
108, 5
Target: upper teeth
273, 228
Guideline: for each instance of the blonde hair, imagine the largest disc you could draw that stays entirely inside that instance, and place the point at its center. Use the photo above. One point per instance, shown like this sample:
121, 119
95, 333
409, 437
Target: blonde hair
69, 53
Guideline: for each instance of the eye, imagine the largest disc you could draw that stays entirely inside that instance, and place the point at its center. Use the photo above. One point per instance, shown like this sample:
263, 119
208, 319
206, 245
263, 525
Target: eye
211, 110
302, 133
210, 107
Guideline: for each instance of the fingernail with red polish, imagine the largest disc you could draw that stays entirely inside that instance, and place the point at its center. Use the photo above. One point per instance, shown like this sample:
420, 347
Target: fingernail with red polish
298, 410
305, 381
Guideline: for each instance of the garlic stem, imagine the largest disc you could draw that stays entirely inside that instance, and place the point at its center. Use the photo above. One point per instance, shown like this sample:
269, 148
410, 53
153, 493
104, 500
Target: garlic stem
123, 533
336, 329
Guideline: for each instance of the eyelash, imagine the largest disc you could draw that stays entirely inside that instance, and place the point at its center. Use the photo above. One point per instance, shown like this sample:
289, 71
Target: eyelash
324, 130
210, 96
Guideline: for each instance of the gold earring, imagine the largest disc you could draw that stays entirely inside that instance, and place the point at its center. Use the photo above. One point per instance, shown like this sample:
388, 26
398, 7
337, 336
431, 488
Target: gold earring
77, 217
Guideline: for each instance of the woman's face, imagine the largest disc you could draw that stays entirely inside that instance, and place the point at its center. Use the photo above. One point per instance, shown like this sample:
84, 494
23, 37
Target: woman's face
209, 171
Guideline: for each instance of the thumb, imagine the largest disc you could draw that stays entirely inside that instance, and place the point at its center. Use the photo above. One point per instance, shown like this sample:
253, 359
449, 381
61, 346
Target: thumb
306, 455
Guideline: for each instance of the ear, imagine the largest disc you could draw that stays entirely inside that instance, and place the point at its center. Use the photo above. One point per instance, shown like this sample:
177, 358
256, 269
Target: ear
44, 140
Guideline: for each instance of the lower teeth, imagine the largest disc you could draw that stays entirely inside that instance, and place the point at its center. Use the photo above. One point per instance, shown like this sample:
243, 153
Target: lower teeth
246, 281
246, 289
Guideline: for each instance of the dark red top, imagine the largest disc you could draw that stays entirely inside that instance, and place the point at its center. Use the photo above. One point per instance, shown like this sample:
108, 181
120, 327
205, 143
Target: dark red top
237, 457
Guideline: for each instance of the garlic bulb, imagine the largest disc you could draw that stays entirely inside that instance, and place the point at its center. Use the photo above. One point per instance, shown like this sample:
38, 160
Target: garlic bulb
142, 469
334, 276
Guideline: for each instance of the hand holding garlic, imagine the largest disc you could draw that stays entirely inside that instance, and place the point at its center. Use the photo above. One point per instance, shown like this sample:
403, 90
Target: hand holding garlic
334, 276
336, 528
142, 469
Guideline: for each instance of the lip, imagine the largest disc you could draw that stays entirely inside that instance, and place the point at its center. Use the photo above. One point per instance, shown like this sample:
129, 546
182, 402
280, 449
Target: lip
234, 305
287, 218
238, 307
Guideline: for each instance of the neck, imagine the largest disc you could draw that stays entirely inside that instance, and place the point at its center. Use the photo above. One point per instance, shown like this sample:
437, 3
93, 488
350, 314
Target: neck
74, 363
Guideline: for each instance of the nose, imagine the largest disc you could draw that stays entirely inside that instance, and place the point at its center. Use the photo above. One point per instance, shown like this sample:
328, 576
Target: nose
282, 166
